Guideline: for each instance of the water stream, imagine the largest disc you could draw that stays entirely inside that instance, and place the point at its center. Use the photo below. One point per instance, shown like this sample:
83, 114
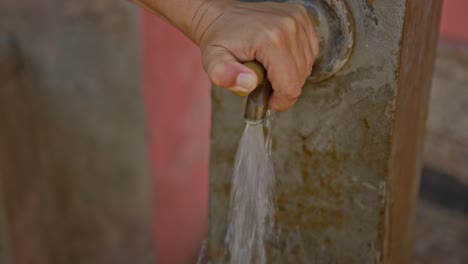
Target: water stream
251, 206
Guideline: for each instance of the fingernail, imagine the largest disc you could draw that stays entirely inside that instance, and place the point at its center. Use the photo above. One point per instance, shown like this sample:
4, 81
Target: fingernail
240, 91
246, 81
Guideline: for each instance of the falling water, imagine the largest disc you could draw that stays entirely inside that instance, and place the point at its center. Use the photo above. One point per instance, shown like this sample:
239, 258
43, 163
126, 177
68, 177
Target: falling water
251, 206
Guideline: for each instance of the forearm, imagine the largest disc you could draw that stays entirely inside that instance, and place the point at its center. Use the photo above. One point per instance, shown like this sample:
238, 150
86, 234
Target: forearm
186, 15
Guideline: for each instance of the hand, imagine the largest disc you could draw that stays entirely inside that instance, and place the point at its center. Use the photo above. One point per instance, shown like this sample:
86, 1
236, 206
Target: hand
278, 35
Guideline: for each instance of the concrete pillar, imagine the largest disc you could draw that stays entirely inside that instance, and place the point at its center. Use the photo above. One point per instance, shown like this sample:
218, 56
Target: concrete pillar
347, 155
73, 154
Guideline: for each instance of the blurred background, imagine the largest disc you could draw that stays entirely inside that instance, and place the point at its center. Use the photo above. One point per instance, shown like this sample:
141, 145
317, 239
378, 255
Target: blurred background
442, 215
144, 185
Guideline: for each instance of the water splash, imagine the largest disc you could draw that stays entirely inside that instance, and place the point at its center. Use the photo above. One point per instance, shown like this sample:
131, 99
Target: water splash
251, 205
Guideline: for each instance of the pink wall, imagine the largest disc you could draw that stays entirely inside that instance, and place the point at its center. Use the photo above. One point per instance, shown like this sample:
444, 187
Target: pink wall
454, 24
178, 104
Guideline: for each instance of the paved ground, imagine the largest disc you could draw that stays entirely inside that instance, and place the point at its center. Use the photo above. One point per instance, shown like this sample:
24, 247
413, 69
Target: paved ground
442, 214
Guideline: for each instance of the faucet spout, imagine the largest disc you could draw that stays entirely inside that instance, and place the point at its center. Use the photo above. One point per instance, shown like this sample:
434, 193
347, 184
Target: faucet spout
256, 105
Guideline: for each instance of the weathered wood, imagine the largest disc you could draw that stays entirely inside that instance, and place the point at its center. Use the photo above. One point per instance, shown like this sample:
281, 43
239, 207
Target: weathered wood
418, 49
347, 154
73, 158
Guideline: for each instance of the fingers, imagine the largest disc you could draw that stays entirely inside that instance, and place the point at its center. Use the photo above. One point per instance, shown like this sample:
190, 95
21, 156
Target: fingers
300, 45
284, 76
225, 71
307, 37
288, 57
314, 41
280, 36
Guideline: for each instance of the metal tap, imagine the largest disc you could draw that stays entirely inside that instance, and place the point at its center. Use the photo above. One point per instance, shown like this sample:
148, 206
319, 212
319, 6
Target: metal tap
256, 105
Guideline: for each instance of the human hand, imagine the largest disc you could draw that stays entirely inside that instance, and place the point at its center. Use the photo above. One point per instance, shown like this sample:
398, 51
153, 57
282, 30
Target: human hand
278, 35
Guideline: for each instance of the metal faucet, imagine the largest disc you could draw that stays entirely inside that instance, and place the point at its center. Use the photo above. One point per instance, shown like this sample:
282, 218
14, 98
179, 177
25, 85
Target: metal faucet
256, 105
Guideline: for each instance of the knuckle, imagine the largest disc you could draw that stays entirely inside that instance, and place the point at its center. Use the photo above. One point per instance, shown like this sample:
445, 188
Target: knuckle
276, 37
216, 73
305, 71
311, 62
278, 108
288, 23
298, 11
315, 52
294, 93
305, 13
309, 69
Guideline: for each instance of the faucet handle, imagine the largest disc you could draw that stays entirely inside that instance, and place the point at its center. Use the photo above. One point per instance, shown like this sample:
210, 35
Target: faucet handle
256, 105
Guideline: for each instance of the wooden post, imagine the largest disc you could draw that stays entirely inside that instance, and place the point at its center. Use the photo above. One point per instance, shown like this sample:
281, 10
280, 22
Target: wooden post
347, 156
418, 50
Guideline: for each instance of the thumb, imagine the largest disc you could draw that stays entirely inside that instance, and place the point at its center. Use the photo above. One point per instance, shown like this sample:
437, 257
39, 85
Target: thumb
225, 71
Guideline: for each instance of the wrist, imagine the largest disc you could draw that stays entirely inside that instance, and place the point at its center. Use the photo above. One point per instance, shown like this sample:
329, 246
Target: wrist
203, 16
192, 17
